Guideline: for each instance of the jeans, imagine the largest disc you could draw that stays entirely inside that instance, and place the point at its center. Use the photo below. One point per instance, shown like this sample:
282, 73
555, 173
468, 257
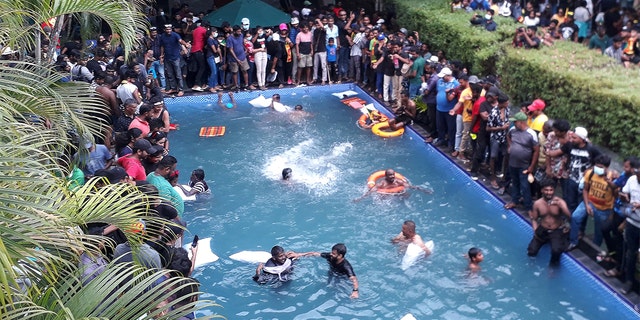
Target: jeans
159, 68
320, 61
379, 80
465, 141
213, 75
456, 146
520, 187
631, 243
414, 89
200, 61
174, 75
580, 215
343, 61
570, 193
446, 126
354, 67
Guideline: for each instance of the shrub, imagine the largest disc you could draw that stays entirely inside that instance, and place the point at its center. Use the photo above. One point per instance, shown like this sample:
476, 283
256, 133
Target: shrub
578, 84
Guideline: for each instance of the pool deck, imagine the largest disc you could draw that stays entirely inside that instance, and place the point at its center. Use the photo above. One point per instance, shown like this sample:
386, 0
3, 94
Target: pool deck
585, 253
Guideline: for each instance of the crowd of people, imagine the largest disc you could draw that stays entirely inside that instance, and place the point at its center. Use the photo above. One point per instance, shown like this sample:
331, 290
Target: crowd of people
526, 153
608, 26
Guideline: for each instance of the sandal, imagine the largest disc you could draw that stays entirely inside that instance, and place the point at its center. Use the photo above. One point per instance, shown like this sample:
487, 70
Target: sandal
509, 205
454, 154
494, 185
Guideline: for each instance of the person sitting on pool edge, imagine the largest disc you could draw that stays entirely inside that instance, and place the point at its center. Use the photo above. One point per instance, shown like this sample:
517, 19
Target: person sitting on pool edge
279, 266
409, 235
404, 114
338, 264
287, 173
390, 182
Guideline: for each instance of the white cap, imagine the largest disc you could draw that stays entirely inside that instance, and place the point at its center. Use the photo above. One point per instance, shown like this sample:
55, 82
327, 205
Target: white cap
445, 72
581, 132
275, 37
295, 20
245, 21
380, 21
305, 11
434, 59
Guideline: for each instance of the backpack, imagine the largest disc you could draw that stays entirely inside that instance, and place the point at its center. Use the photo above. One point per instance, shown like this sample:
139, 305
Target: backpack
76, 73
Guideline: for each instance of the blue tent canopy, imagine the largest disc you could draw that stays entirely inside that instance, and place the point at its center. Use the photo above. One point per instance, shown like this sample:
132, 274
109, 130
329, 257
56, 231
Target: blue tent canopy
258, 12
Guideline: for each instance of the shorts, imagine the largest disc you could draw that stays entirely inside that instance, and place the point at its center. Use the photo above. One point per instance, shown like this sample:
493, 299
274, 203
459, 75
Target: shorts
497, 147
404, 118
233, 66
305, 61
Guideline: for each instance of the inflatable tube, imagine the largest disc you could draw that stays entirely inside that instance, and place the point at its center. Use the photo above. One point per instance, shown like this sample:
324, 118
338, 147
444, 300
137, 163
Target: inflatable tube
379, 129
260, 102
413, 253
184, 196
362, 121
374, 177
281, 107
251, 256
205, 255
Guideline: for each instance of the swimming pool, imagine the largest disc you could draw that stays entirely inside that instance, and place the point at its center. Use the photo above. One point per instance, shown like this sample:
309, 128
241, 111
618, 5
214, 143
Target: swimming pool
251, 209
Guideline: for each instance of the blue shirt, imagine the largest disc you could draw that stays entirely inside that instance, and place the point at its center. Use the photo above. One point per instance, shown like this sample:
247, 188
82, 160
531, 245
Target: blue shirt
331, 53
237, 45
171, 44
444, 105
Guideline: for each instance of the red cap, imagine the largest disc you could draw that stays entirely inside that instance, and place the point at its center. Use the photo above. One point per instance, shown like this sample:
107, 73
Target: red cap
537, 104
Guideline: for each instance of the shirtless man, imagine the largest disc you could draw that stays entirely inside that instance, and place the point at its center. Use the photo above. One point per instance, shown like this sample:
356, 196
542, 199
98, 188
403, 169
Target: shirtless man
405, 113
547, 222
409, 235
390, 182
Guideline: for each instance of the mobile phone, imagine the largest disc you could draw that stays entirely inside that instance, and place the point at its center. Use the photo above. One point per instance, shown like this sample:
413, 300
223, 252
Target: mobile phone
195, 241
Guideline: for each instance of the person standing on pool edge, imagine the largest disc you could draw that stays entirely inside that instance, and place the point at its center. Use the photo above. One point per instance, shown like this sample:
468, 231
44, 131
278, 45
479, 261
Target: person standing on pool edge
339, 264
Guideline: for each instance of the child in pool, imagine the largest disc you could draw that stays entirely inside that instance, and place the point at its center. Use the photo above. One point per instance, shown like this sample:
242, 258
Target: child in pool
475, 257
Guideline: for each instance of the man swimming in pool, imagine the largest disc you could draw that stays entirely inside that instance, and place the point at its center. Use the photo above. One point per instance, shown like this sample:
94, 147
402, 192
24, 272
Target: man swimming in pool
287, 173
408, 235
390, 182
338, 264
278, 267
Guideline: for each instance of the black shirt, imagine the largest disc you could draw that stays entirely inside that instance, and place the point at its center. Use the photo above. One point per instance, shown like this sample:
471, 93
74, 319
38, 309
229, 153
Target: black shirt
342, 268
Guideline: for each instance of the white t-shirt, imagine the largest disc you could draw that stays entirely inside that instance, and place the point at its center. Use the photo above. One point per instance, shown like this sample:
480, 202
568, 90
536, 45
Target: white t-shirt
633, 189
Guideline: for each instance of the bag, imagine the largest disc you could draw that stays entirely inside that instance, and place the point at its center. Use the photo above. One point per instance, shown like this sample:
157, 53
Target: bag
216, 59
406, 71
539, 174
76, 74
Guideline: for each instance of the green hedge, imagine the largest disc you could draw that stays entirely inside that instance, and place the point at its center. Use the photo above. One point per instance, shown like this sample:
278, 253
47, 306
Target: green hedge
578, 84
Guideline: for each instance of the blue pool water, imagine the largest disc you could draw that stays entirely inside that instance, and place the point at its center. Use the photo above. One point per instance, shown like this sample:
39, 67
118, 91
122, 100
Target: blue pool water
251, 209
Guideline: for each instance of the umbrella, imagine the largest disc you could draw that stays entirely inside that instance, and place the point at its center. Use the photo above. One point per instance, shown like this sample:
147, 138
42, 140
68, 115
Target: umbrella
258, 12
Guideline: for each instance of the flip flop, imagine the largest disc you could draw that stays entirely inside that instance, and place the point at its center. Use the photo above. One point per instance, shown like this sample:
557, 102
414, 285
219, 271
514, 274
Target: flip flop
509, 205
180, 93
611, 273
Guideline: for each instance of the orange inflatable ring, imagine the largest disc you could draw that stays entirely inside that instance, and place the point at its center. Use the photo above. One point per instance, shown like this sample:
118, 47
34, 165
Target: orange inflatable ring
374, 177
380, 129
362, 122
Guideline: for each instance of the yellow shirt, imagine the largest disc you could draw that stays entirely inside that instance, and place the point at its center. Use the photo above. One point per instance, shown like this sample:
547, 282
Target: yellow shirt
600, 192
538, 122
467, 104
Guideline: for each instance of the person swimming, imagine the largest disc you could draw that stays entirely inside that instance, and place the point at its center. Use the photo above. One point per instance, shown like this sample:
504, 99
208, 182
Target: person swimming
287, 173
278, 268
475, 257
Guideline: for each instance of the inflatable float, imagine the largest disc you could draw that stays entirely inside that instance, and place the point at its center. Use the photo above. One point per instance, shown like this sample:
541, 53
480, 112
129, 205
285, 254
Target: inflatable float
374, 177
413, 253
251, 256
184, 196
205, 255
382, 129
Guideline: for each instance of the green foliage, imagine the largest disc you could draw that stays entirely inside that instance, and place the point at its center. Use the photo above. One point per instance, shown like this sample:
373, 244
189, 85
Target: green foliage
578, 84
421, 106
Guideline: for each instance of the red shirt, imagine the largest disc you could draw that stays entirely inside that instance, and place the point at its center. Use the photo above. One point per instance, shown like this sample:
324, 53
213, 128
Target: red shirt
199, 40
134, 168
475, 112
